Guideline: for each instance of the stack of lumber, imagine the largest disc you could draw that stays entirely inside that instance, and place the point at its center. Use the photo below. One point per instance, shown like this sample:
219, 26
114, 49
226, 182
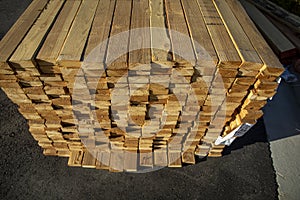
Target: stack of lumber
154, 106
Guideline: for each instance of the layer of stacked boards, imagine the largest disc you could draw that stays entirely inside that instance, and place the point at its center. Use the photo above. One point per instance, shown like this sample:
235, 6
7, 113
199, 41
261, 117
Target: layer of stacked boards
126, 85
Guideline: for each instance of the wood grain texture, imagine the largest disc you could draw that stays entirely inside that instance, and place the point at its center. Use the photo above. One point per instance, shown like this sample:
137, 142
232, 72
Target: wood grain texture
100, 32
140, 38
260, 45
198, 30
224, 47
55, 39
117, 52
74, 45
24, 55
151, 128
181, 44
239, 37
160, 41
282, 46
17, 32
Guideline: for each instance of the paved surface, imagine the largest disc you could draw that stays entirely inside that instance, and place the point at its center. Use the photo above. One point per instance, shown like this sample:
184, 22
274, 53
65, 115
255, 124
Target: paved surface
282, 118
245, 172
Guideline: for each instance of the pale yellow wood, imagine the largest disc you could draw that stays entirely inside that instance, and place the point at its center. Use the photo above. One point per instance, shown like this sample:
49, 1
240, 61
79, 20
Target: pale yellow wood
261, 46
224, 47
56, 37
140, 34
17, 32
73, 48
181, 44
159, 34
75, 158
198, 30
119, 45
24, 54
98, 37
241, 41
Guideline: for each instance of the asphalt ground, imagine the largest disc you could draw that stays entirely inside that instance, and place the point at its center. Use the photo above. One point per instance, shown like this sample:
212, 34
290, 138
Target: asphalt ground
244, 172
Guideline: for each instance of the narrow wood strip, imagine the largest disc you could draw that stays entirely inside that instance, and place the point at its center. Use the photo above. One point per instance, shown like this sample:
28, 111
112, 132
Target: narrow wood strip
63, 153
17, 32
286, 30
130, 161
116, 163
224, 47
160, 157
146, 159
75, 159
140, 38
160, 41
73, 48
174, 158
261, 46
198, 30
57, 36
188, 157
181, 46
25, 53
250, 58
103, 158
89, 160
98, 37
50, 152
117, 52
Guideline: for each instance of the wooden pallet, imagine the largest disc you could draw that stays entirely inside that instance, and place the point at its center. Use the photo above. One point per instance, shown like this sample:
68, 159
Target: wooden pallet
48, 51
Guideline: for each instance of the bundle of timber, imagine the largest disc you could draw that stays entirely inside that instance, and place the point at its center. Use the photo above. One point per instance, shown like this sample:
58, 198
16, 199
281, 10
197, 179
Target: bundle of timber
126, 85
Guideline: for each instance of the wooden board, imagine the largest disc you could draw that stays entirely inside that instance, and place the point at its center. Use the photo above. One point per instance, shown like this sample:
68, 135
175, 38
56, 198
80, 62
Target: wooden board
74, 45
181, 46
17, 32
254, 35
242, 43
130, 161
281, 45
221, 40
25, 53
51, 48
140, 31
100, 32
159, 37
121, 23
198, 30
